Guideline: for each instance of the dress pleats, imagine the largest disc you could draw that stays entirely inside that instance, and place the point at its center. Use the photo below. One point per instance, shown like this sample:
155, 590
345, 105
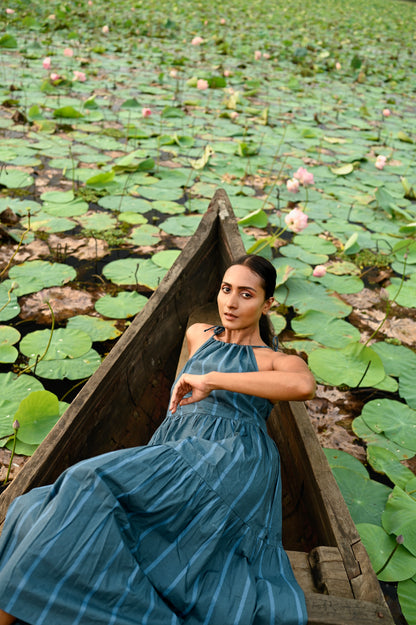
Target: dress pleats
184, 531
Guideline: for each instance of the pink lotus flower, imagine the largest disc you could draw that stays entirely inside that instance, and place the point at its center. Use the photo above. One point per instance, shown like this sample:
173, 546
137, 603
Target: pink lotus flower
9, 11
292, 185
90, 3
266, 55
105, 29
319, 271
202, 84
304, 176
146, 112
46, 63
68, 52
386, 112
222, 20
381, 161
233, 114
338, 65
296, 220
51, 16
173, 73
257, 55
196, 41
227, 73
79, 76
55, 76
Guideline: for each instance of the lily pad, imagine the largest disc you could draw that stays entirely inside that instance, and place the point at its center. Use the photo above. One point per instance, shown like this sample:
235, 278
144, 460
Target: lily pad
379, 546
325, 329
165, 258
121, 306
37, 414
35, 275
365, 498
9, 308
406, 591
354, 365
399, 518
384, 461
396, 420
97, 329
361, 429
64, 343
181, 225
71, 368
145, 235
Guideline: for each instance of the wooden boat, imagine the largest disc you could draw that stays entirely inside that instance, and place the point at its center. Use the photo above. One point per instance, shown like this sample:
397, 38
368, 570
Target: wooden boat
126, 399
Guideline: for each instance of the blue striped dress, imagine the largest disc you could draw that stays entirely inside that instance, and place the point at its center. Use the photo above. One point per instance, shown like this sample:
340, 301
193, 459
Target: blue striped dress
186, 530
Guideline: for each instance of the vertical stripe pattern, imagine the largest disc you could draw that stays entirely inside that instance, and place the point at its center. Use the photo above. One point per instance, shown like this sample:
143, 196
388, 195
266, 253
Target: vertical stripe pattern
184, 531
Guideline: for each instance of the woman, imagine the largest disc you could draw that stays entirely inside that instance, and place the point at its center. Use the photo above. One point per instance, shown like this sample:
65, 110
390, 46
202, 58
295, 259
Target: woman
186, 530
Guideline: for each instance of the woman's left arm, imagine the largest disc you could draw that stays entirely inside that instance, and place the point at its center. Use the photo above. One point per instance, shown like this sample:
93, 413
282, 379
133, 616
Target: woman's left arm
289, 380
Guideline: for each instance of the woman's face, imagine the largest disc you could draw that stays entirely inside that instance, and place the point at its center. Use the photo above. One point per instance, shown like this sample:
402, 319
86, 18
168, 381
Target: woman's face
241, 298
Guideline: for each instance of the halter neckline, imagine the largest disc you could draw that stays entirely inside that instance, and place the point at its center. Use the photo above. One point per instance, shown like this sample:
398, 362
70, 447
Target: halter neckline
220, 330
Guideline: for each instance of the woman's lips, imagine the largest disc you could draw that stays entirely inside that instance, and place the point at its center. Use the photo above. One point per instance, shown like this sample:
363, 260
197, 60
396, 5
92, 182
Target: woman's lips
230, 316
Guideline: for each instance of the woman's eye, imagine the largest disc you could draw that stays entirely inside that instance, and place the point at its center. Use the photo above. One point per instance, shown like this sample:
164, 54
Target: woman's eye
226, 289
246, 295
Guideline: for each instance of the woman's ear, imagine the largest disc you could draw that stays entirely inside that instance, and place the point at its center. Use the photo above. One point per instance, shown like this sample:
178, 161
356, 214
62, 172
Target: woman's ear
268, 304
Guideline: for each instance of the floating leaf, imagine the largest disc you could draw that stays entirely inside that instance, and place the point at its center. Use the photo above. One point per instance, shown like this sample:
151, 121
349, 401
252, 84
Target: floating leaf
257, 218
343, 170
165, 258
341, 459
407, 387
365, 498
406, 592
8, 354
200, 163
130, 271
354, 365
361, 429
384, 461
396, 420
379, 546
9, 335
97, 329
65, 342
399, 518
121, 306
325, 329
71, 368
67, 112
34, 275
145, 235
37, 414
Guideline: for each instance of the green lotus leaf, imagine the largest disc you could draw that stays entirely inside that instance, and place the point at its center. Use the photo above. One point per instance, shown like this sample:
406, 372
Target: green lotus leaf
167, 207
365, 498
9, 335
165, 258
98, 221
384, 461
71, 368
304, 296
379, 546
278, 322
406, 592
130, 271
125, 304
399, 518
325, 329
397, 359
43, 222
34, 275
361, 429
37, 414
404, 293
12, 390
314, 244
15, 179
341, 459
342, 284
181, 225
64, 343
97, 329
125, 203
8, 354
132, 218
354, 365
395, 419
407, 387
145, 235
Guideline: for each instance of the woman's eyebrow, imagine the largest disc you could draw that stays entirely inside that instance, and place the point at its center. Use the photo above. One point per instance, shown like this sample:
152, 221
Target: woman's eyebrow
241, 288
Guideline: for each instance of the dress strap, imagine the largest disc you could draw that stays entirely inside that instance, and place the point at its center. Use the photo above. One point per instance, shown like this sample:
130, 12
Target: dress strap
217, 329
220, 329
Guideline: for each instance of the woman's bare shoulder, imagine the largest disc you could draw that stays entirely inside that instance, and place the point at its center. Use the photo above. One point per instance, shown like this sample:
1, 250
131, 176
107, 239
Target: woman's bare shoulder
288, 362
196, 336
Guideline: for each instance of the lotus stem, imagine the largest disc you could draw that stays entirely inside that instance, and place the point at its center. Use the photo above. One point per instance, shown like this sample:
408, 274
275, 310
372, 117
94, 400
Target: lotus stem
29, 367
16, 426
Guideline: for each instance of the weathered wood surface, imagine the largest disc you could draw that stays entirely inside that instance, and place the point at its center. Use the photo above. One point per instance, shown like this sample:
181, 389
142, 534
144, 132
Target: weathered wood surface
125, 400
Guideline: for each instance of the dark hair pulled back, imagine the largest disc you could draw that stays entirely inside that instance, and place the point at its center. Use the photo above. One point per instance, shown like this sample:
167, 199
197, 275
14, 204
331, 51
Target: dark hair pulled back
267, 273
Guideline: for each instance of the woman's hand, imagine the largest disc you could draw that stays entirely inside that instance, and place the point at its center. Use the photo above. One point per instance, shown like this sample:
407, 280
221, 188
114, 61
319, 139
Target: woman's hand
197, 385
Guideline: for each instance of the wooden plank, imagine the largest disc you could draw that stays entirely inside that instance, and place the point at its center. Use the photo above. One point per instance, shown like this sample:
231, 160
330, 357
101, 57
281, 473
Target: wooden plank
329, 573
330, 610
299, 561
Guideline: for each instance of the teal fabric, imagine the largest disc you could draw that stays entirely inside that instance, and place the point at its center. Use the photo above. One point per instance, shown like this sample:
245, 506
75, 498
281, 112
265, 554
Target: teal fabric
186, 530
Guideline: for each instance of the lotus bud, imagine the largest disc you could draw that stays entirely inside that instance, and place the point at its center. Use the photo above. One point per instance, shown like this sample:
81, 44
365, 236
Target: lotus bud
16, 424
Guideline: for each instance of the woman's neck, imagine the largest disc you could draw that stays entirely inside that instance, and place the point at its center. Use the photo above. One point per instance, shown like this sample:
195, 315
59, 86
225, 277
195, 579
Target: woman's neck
246, 336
